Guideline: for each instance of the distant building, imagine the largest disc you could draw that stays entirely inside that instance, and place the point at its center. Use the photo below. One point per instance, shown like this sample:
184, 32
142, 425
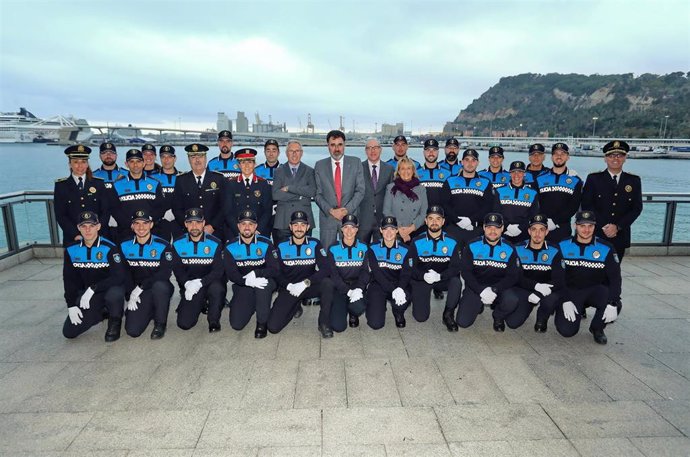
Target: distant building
242, 123
223, 123
392, 130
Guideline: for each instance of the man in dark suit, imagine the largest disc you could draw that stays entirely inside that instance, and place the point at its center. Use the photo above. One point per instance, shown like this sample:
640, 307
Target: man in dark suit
377, 175
249, 192
293, 189
201, 188
339, 187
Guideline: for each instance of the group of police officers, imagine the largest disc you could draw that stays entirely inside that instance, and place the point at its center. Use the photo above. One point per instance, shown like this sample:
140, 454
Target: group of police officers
505, 234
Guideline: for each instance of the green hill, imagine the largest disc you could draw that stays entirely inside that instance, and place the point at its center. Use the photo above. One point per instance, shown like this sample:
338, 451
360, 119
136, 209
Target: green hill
564, 105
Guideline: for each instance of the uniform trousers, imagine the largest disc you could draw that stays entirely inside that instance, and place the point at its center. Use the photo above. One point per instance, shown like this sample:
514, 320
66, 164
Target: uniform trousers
155, 303
376, 305
471, 306
188, 311
421, 296
112, 299
335, 306
546, 307
594, 296
285, 305
248, 300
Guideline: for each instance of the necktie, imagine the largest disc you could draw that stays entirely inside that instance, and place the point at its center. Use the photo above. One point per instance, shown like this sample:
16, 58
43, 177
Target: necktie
81, 183
294, 171
615, 180
374, 177
338, 184
246, 182
198, 181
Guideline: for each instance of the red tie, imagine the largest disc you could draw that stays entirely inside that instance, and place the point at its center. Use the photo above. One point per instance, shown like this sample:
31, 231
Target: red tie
338, 183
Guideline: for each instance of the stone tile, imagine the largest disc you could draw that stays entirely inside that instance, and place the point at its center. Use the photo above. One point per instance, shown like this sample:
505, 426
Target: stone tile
40, 432
620, 419
142, 430
507, 343
252, 348
663, 447
563, 378
614, 379
40, 290
543, 448
681, 302
420, 383
481, 449
13, 339
7, 367
669, 335
438, 342
80, 453
655, 375
468, 380
55, 348
226, 452
417, 450
299, 344
230, 428
489, 423
345, 345
382, 343
160, 453
677, 361
271, 385
352, 450
296, 451
24, 381
208, 347
650, 307
320, 384
516, 380
393, 426
609, 447
34, 313
677, 412
370, 383
175, 346
220, 384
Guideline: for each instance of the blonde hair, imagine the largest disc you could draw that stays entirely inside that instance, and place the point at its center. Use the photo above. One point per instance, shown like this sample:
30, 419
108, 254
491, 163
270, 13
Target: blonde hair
406, 161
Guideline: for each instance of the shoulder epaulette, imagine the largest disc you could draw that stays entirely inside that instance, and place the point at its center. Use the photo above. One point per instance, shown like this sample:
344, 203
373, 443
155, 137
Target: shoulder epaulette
62, 179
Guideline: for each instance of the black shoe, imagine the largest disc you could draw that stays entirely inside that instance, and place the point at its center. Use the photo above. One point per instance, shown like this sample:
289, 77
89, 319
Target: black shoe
298, 312
204, 308
105, 314
316, 301
599, 336
158, 331
113, 332
214, 327
438, 294
449, 320
584, 314
306, 302
399, 320
260, 331
326, 331
499, 325
353, 321
540, 327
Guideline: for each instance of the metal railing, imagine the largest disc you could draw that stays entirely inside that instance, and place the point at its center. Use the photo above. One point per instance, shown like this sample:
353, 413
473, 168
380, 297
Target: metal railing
28, 220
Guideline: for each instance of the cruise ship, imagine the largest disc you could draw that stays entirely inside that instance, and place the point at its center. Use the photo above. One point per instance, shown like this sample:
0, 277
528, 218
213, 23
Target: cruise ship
25, 127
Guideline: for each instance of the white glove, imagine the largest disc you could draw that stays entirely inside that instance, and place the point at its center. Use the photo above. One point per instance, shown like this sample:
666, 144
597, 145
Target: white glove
399, 296
569, 311
112, 222
273, 210
551, 224
544, 289
131, 305
249, 279
191, 288
297, 288
260, 283
169, 216
610, 314
488, 296
134, 298
464, 223
74, 314
85, 300
431, 277
355, 294
533, 298
513, 230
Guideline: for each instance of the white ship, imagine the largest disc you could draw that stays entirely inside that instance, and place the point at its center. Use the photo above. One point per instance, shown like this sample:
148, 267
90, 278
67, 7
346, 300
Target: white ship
24, 127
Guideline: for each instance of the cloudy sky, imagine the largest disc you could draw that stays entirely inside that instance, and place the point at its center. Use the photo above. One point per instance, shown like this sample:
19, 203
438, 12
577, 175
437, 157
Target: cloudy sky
155, 62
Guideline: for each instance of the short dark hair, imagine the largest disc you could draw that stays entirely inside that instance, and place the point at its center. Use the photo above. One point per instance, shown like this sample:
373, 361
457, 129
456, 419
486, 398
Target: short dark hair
335, 134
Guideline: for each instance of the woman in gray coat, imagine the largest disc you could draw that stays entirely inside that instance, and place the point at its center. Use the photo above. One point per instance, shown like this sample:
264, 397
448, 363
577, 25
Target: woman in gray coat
406, 199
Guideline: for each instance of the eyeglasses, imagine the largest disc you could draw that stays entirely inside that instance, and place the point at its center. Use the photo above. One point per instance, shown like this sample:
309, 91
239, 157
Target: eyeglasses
369, 148
616, 155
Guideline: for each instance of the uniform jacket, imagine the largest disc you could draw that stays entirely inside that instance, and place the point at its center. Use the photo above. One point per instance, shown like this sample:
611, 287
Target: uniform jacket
390, 267
211, 197
69, 201
259, 256
256, 197
485, 266
98, 267
146, 263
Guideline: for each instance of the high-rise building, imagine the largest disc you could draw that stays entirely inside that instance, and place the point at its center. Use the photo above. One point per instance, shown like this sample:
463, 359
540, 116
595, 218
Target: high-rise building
242, 122
223, 123
392, 130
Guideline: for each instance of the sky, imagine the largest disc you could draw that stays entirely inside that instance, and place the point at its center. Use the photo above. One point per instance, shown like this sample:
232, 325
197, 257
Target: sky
172, 63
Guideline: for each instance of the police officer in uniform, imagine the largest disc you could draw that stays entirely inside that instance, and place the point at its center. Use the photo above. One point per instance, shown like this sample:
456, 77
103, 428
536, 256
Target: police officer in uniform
542, 278
93, 279
109, 171
251, 263
343, 288
148, 151
435, 261
390, 277
593, 278
303, 266
224, 163
467, 197
249, 191
490, 269
400, 147
431, 175
536, 166
198, 267
267, 169
201, 188
148, 259
451, 162
495, 173
519, 203
77, 193
168, 228
560, 193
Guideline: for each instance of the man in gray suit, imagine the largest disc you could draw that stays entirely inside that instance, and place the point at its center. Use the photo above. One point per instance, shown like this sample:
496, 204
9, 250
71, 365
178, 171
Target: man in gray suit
293, 189
339, 187
377, 175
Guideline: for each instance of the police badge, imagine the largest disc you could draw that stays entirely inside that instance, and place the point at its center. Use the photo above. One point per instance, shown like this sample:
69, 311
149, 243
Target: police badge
441, 175
596, 254
544, 257
213, 185
568, 181
478, 184
503, 255
149, 186
207, 250
398, 257
308, 251
259, 252
360, 254
92, 190
257, 193
99, 255
628, 188
444, 249
153, 253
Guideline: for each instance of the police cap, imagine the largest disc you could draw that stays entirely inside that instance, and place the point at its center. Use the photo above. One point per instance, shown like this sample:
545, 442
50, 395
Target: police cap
585, 217
452, 142
270, 142
562, 146
194, 214
389, 221
167, 149
196, 149
431, 144
299, 216
537, 148
496, 151
400, 138
518, 165
539, 219
616, 147
350, 219
148, 147
493, 220
107, 146
225, 134
134, 154
246, 215
78, 151
436, 209
470, 153
141, 215
87, 217
246, 154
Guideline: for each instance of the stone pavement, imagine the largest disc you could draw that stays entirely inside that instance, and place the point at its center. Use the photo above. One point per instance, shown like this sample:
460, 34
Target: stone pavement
419, 391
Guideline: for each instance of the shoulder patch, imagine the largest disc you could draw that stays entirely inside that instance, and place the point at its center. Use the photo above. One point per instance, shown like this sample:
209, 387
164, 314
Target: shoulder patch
323, 252
615, 258
116, 258
168, 256
62, 179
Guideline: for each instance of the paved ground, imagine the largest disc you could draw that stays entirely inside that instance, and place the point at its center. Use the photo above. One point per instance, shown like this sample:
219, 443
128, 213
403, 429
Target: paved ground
420, 391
